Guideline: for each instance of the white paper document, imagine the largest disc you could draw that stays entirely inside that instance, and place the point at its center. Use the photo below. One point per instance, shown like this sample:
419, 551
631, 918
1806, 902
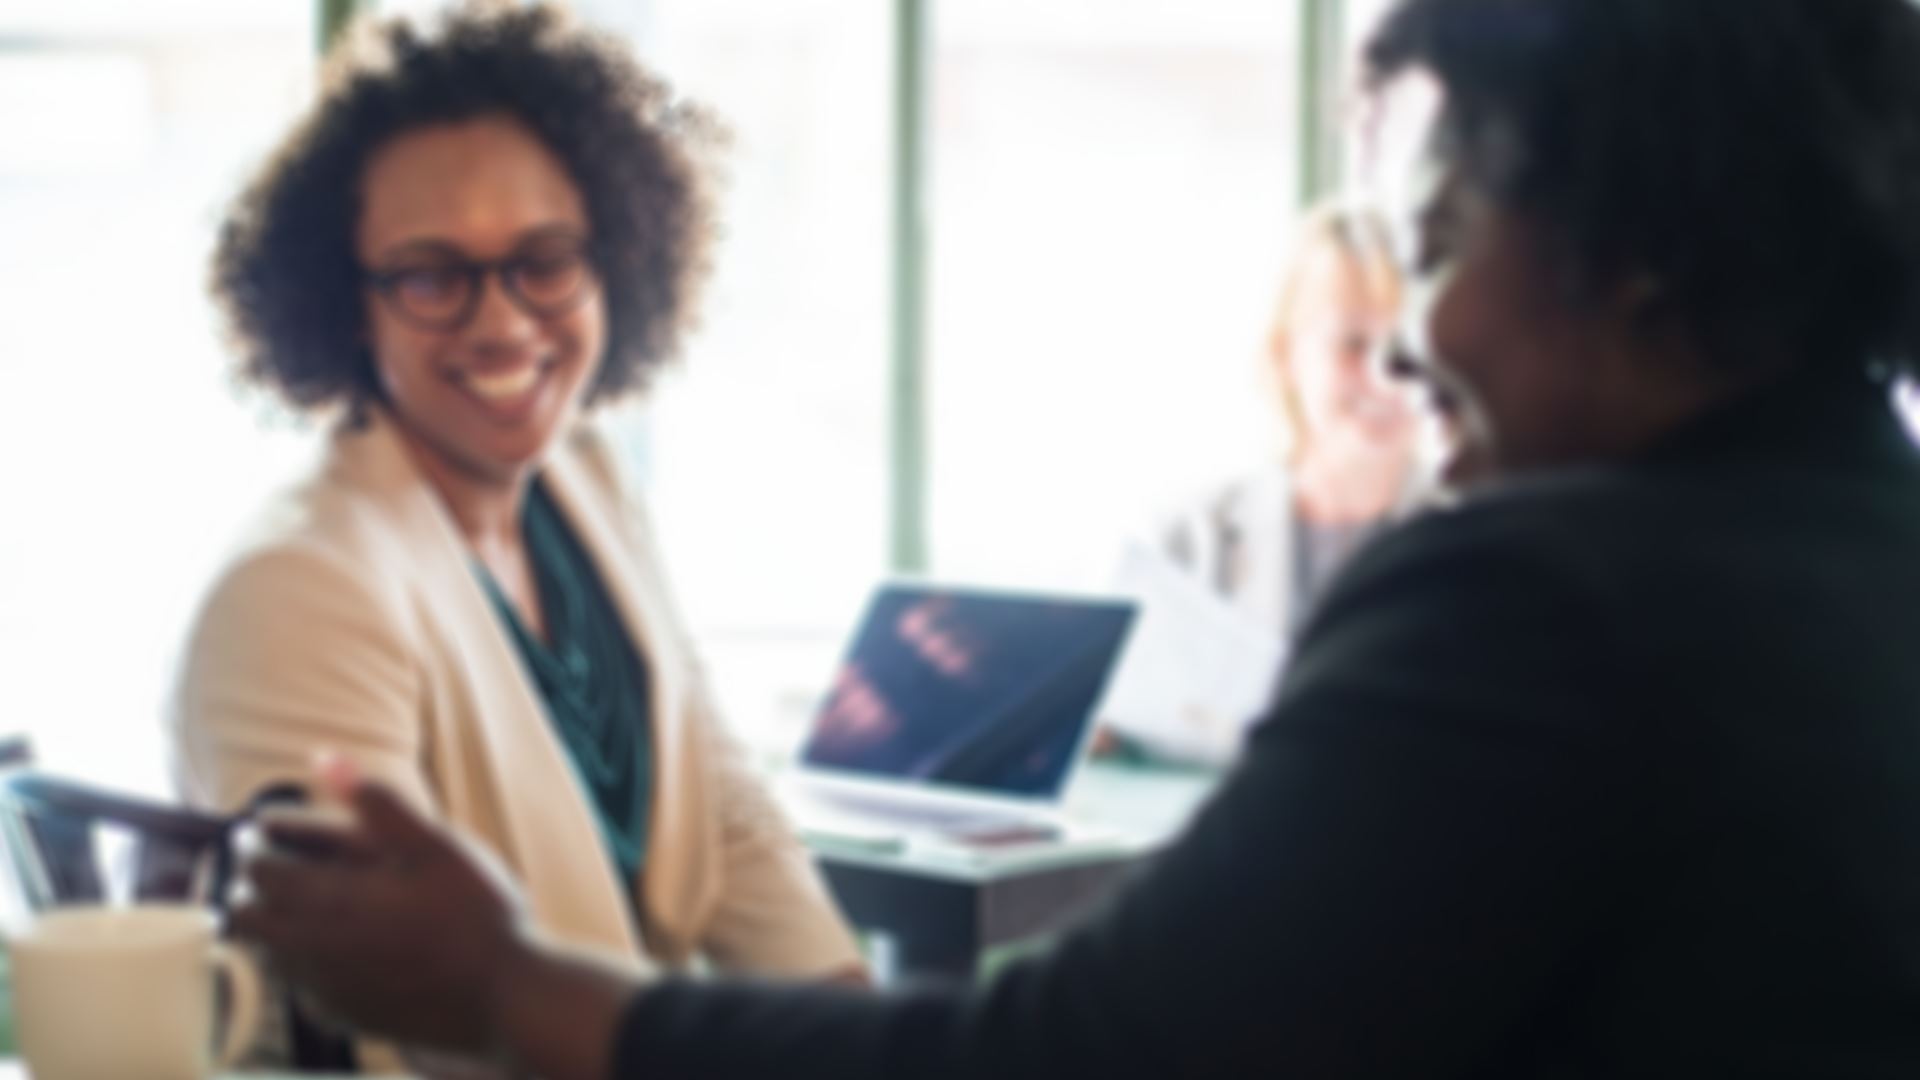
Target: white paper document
1196, 672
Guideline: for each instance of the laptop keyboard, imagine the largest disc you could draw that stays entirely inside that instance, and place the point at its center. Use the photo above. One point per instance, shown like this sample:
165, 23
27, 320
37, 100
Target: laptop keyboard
926, 816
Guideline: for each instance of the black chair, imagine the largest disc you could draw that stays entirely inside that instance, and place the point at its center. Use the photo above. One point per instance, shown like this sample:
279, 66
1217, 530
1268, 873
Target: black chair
54, 842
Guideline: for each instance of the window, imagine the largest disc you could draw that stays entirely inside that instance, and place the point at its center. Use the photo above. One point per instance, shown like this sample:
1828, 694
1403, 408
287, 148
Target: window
1060, 135
1112, 187
765, 456
124, 128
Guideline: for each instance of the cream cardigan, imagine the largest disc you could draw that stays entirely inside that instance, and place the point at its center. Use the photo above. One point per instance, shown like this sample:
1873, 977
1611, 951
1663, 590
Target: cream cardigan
351, 619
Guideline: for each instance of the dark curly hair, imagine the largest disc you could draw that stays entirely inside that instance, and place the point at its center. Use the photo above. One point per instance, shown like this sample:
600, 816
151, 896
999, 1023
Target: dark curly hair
284, 270
1758, 160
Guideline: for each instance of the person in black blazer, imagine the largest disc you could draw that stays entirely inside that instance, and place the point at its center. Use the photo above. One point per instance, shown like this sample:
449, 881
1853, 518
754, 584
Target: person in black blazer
1611, 769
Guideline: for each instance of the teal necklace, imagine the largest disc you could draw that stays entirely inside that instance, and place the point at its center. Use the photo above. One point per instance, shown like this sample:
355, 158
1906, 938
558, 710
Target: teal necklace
592, 680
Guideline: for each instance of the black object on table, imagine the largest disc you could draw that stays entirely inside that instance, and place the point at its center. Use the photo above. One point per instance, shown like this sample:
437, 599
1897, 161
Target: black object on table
944, 916
943, 919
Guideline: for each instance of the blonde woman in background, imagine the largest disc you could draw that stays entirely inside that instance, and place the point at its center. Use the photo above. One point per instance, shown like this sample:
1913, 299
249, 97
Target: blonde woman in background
1269, 542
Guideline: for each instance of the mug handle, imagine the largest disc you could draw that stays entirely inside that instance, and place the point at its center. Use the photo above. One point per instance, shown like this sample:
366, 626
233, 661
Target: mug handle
244, 997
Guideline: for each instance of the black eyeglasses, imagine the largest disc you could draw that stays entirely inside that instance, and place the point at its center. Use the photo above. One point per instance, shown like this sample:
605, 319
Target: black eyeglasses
440, 289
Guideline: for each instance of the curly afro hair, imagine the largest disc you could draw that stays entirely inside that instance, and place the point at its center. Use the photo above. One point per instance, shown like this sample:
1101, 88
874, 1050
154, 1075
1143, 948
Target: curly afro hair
1759, 159
284, 270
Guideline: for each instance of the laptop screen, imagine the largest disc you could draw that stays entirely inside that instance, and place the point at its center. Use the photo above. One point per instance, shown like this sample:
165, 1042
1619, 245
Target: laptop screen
977, 690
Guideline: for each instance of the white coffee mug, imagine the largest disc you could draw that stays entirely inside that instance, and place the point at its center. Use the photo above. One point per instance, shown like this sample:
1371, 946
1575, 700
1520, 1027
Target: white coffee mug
111, 993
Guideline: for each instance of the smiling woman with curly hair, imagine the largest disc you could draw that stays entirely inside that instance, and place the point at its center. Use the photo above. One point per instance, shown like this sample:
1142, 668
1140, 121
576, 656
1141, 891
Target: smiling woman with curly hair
287, 273
479, 232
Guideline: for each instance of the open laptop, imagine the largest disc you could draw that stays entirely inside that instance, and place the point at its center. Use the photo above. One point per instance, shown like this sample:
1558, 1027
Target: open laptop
958, 712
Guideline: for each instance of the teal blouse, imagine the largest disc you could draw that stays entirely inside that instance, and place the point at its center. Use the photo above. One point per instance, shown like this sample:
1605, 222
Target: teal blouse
592, 679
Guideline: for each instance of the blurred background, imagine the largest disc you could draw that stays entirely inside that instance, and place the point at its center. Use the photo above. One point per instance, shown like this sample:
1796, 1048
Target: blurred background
994, 286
